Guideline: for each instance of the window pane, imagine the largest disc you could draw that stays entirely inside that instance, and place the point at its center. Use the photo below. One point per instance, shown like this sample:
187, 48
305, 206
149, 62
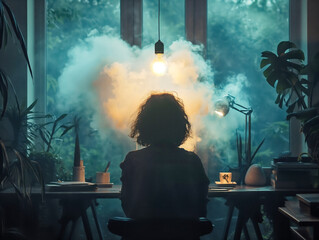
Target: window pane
172, 21
237, 32
70, 23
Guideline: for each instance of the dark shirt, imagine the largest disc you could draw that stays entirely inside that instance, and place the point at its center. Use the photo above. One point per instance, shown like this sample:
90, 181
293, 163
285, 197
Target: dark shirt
163, 182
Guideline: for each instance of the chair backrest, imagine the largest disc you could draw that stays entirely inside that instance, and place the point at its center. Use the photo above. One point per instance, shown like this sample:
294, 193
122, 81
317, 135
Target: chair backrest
153, 229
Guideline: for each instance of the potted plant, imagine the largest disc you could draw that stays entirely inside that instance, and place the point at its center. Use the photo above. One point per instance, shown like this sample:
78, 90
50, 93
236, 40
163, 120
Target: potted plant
284, 71
15, 167
17, 136
47, 158
20, 137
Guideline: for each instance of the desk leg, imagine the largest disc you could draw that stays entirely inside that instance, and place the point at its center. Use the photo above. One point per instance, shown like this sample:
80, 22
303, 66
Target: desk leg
72, 229
241, 222
228, 221
257, 229
97, 223
279, 221
62, 230
86, 224
246, 232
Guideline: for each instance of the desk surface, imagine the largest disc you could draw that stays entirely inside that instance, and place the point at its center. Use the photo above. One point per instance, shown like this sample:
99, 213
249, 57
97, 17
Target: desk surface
114, 192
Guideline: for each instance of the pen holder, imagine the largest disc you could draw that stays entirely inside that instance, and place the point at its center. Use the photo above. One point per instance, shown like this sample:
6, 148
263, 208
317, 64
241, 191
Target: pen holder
102, 177
79, 173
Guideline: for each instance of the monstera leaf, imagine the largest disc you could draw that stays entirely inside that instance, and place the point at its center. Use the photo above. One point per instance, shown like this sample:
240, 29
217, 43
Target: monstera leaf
282, 72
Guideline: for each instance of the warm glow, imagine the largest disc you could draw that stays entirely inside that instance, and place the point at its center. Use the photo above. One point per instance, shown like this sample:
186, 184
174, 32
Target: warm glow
221, 114
159, 65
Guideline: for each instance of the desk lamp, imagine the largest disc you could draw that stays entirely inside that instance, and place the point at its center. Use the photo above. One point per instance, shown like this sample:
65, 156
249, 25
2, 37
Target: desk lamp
222, 107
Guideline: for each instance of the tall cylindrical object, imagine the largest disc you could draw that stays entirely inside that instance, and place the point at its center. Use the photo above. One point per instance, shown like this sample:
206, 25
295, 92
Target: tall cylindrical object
79, 172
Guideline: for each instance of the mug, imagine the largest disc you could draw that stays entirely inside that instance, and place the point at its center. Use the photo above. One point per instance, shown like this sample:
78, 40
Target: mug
225, 177
102, 177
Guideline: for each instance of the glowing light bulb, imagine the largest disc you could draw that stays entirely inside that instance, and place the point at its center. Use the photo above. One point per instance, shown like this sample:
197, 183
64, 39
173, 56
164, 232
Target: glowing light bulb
159, 64
221, 114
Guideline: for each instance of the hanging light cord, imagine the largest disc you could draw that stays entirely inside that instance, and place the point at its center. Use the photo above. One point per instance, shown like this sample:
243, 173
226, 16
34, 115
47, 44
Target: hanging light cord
159, 22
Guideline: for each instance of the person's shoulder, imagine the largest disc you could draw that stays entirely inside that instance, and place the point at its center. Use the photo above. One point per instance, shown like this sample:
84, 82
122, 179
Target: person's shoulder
136, 154
189, 154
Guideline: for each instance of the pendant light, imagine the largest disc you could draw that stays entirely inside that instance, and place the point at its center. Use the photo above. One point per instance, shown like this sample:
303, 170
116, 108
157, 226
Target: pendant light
159, 64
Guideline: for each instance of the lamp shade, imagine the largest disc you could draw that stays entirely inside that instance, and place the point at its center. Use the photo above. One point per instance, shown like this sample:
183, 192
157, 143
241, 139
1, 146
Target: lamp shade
222, 107
159, 47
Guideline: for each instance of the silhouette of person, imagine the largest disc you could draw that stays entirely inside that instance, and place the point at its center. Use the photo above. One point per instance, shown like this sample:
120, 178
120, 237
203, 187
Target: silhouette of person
163, 180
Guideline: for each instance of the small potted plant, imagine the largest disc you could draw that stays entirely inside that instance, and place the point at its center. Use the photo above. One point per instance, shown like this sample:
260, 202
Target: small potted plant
284, 71
47, 158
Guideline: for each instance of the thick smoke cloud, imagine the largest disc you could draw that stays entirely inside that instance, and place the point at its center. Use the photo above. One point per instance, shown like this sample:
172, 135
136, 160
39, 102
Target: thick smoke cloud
106, 76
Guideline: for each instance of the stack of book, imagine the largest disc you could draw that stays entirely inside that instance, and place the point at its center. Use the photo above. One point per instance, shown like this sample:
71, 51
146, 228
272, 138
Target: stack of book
295, 175
70, 186
309, 203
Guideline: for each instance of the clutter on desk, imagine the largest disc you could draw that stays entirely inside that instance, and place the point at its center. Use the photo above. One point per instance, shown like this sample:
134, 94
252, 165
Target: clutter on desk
295, 174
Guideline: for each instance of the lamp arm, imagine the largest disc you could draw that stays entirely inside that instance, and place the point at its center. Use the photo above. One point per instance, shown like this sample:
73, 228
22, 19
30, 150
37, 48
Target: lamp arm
246, 111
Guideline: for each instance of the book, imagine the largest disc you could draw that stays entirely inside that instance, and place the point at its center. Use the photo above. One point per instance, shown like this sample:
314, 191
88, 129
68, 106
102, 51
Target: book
309, 203
71, 186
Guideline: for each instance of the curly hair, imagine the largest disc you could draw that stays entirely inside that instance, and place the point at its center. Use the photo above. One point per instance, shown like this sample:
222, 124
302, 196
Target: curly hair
161, 120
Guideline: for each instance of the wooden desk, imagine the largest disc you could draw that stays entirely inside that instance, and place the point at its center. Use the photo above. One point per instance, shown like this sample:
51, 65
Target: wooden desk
114, 192
246, 199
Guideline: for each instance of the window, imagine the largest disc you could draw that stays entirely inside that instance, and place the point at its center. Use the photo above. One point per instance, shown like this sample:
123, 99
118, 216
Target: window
73, 26
237, 33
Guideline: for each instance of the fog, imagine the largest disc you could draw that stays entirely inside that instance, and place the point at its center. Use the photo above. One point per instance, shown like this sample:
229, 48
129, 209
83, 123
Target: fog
112, 78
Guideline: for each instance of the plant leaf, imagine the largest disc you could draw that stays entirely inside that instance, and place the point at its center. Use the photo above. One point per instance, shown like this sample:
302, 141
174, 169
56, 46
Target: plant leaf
296, 66
284, 46
257, 149
28, 109
3, 91
281, 101
294, 54
291, 107
267, 54
268, 71
264, 62
43, 137
304, 81
66, 129
18, 33
61, 117
271, 79
278, 99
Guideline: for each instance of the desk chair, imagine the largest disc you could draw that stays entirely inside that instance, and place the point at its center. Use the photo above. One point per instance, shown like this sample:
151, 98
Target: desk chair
160, 229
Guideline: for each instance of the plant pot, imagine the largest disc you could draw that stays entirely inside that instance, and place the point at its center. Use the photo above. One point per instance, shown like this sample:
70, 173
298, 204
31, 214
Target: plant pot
311, 131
